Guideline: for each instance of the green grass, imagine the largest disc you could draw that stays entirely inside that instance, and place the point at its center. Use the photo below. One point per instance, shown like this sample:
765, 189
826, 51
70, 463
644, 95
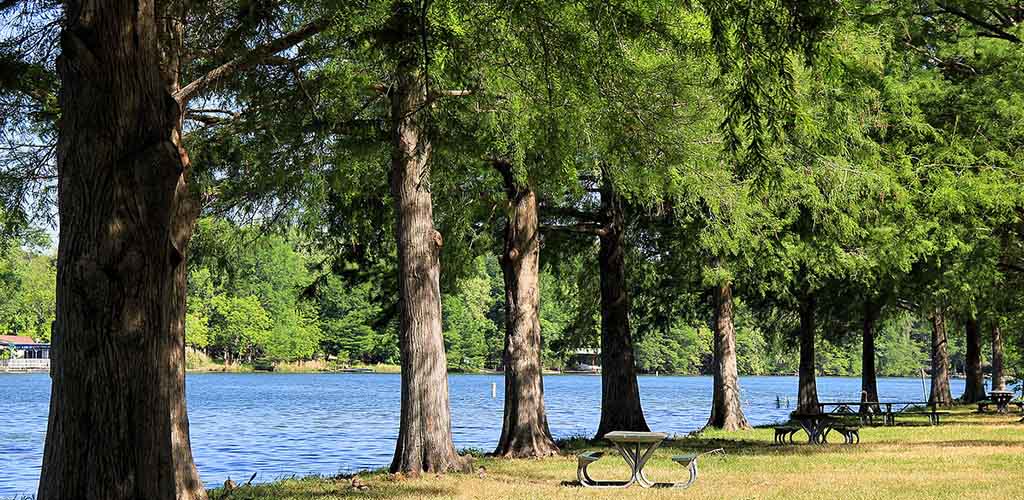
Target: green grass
968, 456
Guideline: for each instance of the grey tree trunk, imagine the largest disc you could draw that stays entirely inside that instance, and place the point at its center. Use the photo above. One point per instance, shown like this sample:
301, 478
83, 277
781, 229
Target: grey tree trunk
524, 430
726, 410
869, 379
620, 394
940, 394
118, 426
807, 397
998, 379
974, 390
425, 432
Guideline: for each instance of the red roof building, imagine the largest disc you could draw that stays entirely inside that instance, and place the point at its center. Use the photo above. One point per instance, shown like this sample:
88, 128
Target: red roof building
17, 339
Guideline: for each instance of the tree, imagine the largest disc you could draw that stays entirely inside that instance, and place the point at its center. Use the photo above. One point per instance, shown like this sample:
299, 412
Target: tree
424, 436
620, 393
524, 428
940, 394
124, 227
998, 379
974, 389
726, 411
127, 209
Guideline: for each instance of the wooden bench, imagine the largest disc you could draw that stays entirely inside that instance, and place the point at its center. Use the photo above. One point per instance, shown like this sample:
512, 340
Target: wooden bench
783, 432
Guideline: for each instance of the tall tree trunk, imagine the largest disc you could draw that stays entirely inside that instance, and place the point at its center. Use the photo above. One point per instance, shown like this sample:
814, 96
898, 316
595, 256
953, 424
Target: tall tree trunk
118, 427
807, 398
620, 394
998, 381
974, 390
524, 430
869, 379
726, 411
940, 361
425, 431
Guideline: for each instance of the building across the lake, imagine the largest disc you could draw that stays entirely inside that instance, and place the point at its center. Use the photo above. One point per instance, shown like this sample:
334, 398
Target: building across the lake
21, 353
585, 361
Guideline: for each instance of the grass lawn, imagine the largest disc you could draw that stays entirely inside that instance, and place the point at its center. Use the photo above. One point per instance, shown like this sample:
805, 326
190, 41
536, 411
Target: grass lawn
967, 456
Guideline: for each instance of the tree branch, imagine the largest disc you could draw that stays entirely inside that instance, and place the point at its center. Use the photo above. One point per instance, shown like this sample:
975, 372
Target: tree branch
247, 60
549, 211
583, 228
995, 31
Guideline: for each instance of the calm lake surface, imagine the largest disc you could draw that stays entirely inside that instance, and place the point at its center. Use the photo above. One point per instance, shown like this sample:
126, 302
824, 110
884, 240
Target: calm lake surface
280, 425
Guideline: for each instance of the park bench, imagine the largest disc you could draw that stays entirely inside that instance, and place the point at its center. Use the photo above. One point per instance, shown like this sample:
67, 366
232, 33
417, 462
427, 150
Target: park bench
784, 432
583, 460
690, 462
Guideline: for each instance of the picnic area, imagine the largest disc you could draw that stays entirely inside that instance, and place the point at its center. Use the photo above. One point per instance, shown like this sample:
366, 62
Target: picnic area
968, 455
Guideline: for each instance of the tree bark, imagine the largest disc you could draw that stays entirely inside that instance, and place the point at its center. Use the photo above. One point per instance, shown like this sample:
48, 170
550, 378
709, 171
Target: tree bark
425, 433
620, 394
869, 378
726, 411
524, 430
998, 381
974, 390
807, 398
118, 427
940, 394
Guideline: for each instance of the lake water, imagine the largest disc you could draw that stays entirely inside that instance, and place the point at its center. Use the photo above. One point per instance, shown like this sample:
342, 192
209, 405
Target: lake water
298, 424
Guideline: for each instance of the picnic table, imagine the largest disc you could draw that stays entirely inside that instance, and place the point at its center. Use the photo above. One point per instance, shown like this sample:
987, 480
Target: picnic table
636, 449
1001, 399
888, 409
817, 425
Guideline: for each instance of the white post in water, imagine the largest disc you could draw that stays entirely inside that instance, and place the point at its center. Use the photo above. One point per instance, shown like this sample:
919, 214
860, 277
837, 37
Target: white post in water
494, 390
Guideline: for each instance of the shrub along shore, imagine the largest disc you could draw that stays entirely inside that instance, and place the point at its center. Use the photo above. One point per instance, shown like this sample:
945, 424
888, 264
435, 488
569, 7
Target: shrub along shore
967, 456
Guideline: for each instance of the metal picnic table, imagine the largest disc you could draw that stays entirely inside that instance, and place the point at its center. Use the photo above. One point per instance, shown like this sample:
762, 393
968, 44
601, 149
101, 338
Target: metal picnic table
629, 445
636, 449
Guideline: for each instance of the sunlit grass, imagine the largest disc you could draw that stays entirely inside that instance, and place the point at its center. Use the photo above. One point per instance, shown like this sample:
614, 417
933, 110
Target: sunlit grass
968, 456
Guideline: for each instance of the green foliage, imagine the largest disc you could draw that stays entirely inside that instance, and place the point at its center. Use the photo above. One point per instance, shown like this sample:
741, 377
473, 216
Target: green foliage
240, 326
682, 349
471, 338
28, 282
